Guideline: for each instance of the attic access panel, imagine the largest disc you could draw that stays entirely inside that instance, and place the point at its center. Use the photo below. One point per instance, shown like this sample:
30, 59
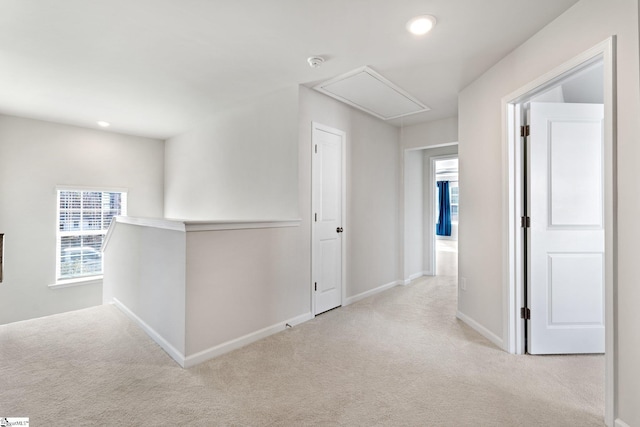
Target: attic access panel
368, 91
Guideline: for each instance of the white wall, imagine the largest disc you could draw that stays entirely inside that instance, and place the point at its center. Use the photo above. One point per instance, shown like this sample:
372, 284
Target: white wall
35, 156
430, 134
373, 186
481, 163
373, 206
238, 164
145, 273
242, 281
414, 215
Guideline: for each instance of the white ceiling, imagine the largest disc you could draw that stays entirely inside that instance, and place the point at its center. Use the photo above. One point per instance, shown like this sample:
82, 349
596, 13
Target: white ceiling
368, 91
157, 67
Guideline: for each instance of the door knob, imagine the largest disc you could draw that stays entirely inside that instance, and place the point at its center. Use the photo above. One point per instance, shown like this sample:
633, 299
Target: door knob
339, 230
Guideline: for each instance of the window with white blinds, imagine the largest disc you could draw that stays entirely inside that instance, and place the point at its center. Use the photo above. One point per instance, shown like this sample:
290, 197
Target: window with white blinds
83, 220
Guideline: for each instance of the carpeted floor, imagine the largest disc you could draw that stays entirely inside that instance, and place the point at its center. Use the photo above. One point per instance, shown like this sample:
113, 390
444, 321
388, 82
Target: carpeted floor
399, 358
446, 257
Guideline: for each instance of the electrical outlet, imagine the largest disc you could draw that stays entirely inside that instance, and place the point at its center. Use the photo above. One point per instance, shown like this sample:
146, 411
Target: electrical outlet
463, 283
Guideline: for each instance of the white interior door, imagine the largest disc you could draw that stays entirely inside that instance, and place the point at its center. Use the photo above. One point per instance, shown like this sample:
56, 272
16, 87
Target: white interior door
327, 227
566, 237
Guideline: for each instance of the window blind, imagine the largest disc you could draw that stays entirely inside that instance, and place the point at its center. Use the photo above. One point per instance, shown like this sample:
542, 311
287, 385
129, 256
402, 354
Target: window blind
84, 217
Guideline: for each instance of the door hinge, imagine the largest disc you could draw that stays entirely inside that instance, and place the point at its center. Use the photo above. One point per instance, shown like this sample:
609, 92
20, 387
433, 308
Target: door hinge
525, 313
524, 131
525, 222
316, 149
315, 286
315, 217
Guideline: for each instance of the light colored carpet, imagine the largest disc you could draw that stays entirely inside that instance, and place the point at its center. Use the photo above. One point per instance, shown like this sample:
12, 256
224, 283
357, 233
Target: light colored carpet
446, 257
399, 359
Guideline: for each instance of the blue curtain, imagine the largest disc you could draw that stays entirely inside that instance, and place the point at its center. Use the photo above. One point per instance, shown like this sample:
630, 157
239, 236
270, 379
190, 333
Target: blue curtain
443, 226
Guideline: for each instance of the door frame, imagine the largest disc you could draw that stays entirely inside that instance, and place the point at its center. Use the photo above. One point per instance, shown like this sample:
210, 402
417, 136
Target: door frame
405, 278
345, 234
513, 326
434, 210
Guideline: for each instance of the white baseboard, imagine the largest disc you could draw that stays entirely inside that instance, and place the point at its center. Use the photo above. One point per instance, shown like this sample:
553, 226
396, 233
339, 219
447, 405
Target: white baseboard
194, 359
481, 329
166, 346
413, 277
237, 343
620, 423
371, 292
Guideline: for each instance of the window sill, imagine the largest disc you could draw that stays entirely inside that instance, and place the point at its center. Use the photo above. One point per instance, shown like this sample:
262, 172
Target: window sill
92, 280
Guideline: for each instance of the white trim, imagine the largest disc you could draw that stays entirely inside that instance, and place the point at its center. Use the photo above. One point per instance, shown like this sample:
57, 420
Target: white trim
141, 222
167, 224
190, 226
242, 341
611, 225
371, 292
80, 281
402, 209
512, 280
620, 423
107, 236
91, 188
480, 329
1, 256
207, 225
413, 277
432, 215
166, 346
429, 147
345, 234
240, 225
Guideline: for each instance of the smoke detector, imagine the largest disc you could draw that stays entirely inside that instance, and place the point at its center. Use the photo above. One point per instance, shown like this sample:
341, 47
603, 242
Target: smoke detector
315, 61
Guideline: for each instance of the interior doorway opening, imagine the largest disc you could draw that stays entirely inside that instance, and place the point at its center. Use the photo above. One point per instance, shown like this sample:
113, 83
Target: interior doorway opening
419, 245
515, 202
560, 197
446, 207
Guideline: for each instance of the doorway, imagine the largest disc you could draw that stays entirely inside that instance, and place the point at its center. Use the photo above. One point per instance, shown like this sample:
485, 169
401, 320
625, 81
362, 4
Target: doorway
419, 239
515, 257
562, 213
445, 213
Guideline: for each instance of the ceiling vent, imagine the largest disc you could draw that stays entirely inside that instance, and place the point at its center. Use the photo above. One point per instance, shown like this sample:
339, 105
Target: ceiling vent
368, 91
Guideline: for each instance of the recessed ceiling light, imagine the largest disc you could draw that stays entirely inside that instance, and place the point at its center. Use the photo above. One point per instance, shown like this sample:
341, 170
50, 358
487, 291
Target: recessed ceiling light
104, 124
421, 25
